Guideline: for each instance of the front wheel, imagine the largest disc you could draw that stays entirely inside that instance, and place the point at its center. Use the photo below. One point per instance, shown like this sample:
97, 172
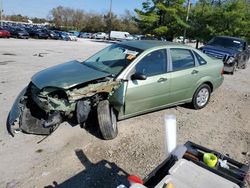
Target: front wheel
201, 96
107, 120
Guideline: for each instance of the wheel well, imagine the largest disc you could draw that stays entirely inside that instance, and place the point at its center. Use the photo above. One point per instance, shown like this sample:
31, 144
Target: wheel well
210, 85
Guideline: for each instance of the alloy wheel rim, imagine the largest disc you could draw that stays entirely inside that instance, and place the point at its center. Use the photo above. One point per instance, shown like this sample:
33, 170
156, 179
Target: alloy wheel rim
202, 97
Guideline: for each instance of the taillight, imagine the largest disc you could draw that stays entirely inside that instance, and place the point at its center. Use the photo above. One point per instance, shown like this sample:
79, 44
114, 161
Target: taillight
222, 72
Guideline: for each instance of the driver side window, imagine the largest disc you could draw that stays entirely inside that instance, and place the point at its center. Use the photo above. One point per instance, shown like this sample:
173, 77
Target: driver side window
152, 64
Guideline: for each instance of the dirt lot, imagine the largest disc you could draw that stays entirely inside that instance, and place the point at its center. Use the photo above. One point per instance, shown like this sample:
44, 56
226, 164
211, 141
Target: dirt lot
74, 157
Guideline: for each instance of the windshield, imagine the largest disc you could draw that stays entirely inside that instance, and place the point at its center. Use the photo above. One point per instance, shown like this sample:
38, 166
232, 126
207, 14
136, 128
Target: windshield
233, 44
113, 59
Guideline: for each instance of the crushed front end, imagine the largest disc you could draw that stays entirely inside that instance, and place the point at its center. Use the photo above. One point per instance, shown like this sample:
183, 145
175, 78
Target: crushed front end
41, 111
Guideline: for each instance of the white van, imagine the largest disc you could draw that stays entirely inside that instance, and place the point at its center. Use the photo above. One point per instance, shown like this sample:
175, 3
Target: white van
120, 35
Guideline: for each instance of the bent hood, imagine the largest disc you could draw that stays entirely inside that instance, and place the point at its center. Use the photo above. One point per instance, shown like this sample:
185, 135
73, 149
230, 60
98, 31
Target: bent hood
66, 75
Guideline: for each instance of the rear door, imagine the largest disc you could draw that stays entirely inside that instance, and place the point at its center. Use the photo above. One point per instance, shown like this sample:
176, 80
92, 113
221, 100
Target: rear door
143, 95
185, 73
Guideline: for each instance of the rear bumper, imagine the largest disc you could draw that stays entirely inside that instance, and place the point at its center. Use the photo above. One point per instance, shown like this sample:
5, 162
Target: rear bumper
218, 82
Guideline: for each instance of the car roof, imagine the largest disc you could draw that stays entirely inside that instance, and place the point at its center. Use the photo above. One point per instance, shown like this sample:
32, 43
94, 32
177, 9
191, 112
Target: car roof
148, 44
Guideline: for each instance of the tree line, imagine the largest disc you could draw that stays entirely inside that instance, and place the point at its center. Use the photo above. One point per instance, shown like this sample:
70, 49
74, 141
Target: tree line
206, 18
92, 22
20, 18
200, 20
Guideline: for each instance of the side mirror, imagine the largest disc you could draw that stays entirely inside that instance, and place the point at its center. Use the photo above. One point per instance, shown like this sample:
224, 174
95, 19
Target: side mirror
138, 76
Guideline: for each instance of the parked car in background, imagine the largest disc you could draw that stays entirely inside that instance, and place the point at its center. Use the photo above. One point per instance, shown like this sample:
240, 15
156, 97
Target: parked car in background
62, 35
120, 35
138, 37
180, 40
121, 81
75, 33
65, 36
234, 52
100, 35
72, 37
4, 33
37, 33
86, 35
19, 33
51, 34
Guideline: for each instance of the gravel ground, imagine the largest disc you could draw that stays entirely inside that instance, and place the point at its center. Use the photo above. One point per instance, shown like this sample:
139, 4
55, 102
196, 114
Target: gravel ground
75, 157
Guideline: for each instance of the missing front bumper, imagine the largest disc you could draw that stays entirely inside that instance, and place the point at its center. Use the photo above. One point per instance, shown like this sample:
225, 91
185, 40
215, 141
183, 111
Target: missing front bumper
27, 116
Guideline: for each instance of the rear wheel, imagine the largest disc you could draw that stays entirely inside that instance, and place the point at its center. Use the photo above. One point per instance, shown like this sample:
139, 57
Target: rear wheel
107, 120
201, 96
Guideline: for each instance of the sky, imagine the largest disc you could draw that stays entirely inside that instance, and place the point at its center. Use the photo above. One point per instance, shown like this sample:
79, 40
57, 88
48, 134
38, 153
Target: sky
41, 8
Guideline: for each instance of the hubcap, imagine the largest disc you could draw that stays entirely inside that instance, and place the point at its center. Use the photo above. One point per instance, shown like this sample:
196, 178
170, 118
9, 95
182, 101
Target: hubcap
202, 97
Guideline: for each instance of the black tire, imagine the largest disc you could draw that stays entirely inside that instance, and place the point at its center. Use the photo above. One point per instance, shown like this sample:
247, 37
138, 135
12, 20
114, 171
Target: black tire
201, 103
107, 120
82, 111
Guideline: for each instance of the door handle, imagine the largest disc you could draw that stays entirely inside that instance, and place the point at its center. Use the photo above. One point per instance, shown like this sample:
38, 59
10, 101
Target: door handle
194, 72
162, 80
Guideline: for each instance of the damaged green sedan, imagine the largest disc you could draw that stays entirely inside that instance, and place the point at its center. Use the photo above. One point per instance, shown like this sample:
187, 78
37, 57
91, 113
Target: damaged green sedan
121, 81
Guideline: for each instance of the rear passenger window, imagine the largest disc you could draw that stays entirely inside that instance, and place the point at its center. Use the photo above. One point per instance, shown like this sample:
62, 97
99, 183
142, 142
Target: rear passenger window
200, 59
181, 59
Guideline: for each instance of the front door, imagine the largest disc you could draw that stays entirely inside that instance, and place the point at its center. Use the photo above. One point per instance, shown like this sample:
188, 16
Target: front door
143, 95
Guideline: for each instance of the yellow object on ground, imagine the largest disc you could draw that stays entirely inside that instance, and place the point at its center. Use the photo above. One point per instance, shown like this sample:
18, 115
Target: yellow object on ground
170, 185
210, 159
